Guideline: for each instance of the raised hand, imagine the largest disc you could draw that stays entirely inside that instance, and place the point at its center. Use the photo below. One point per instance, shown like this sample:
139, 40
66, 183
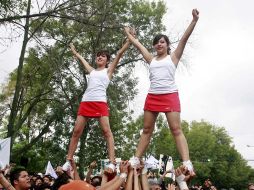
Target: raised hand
195, 14
124, 165
93, 165
73, 49
127, 30
133, 31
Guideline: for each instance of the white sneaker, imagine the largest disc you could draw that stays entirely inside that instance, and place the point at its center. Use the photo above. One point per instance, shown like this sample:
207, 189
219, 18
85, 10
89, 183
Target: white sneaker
110, 166
134, 161
67, 166
189, 166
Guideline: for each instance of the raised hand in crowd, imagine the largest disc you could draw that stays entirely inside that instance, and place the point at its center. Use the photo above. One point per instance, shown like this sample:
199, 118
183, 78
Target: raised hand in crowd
182, 177
171, 187
91, 167
74, 172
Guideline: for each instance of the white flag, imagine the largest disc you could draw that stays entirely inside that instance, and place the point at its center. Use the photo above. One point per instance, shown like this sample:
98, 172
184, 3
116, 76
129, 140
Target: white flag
152, 163
5, 145
50, 170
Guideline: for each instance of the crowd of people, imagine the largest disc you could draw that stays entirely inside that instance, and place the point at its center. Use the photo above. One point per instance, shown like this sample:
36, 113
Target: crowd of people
128, 178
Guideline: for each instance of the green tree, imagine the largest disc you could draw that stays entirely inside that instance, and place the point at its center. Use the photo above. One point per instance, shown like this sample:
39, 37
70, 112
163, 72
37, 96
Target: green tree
211, 151
50, 85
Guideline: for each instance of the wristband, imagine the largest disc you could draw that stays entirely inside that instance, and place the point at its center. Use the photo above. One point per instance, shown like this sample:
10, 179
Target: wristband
183, 185
180, 181
123, 175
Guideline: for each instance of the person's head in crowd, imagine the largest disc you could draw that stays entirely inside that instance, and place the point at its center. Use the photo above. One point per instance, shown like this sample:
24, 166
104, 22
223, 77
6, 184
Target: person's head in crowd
38, 181
251, 186
47, 179
96, 181
64, 182
154, 184
34, 177
207, 184
19, 178
151, 174
62, 179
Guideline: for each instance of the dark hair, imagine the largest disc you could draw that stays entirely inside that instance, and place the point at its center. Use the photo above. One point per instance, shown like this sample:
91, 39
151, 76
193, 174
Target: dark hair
96, 183
47, 176
104, 52
158, 37
61, 180
15, 173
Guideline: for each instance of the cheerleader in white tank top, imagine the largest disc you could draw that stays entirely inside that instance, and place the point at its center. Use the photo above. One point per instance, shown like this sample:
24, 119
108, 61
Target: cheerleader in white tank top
163, 93
94, 102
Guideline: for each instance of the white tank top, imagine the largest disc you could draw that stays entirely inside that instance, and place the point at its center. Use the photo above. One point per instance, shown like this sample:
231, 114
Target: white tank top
162, 76
97, 86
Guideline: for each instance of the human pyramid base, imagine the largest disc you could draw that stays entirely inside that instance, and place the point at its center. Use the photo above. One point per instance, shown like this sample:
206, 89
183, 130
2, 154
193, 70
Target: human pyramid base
162, 97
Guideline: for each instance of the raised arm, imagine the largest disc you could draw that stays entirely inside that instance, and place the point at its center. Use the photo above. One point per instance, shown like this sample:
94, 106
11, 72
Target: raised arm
113, 65
118, 180
144, 178
177, 54
81, 59
146, 54
75, 174
129, 181
5, 183
90, 171
136, 180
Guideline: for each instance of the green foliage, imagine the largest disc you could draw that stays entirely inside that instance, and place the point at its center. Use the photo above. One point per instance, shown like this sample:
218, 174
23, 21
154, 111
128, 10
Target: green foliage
211, 152
52, 84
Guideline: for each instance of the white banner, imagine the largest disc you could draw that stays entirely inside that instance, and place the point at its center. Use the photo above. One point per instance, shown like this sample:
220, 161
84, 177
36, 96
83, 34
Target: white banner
50, 170
105, 162
166, 164
5, 145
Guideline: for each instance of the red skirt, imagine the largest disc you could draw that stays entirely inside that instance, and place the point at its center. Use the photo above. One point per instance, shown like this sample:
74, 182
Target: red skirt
93, 109
162, 102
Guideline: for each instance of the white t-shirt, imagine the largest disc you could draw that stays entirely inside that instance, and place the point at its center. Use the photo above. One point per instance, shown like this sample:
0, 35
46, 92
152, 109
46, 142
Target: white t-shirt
97, 87
162, 76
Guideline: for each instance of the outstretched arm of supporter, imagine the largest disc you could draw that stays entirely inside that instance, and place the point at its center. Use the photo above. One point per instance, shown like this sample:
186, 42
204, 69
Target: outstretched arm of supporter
129, 179
75, 174
131, 36
177, 54
144, 179
5, 183
182, 176
136, 181
118, 180
81, 59
104, 179
119, 54
90, 171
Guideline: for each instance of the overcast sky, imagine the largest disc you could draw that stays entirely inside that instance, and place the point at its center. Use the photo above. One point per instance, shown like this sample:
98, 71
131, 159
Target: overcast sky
218, 85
